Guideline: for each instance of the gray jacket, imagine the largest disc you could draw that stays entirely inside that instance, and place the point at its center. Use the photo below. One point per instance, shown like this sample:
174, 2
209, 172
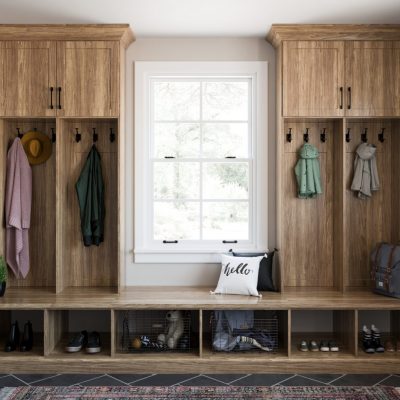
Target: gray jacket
365, 179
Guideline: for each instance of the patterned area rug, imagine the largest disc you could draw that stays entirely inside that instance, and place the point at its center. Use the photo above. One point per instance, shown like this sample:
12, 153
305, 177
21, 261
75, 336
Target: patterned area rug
203, 393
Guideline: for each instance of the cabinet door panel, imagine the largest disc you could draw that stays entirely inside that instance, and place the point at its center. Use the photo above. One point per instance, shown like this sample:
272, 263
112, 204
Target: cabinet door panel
372, 73
312, 78
88, 74
27, 71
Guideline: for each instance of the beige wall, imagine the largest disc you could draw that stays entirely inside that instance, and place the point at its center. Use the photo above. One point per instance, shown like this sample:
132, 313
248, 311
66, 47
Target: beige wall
191, 49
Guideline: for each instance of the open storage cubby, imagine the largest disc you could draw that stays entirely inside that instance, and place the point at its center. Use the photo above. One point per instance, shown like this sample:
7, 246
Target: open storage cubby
137, 332
80, 266
42, 230
7, 317
337, 325
62, 325
388, 322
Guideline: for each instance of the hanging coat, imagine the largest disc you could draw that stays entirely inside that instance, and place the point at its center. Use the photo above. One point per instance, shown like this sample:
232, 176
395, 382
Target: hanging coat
308, 173
18, 203
365, 179
90, 190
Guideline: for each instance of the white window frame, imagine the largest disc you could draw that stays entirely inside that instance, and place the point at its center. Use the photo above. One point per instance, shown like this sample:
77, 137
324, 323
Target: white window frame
145, 249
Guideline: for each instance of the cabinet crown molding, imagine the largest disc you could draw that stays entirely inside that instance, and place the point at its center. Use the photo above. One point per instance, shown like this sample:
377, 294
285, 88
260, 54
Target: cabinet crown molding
281, 32
118, 32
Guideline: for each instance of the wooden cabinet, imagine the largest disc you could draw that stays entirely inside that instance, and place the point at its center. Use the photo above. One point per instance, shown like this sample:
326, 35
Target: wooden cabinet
88, 78
313, 83
372, 71
27, 75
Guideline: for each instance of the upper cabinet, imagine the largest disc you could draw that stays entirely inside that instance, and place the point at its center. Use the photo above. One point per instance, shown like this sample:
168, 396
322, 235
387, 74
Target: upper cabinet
372, 78
88, 78
313, 83
27, 78
337, 70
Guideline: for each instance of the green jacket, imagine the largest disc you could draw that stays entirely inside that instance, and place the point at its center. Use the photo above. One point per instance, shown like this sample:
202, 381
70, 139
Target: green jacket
90, 190
308, 173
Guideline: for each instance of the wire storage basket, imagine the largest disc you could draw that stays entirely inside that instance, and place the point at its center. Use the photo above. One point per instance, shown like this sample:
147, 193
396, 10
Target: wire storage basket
231, 332
143, 331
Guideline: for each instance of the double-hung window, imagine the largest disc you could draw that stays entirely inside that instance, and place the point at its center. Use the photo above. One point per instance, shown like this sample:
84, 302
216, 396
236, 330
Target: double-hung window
198, 142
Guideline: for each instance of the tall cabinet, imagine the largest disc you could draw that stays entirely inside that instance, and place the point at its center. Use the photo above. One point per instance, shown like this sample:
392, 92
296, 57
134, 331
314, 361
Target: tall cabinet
340, 84
66, 81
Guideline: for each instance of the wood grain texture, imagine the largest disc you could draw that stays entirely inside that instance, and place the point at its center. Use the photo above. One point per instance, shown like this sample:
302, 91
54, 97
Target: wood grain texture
312, 77
89, 76
27, 71
283, 32
43, 216
372, 70
78, 265
367, 222
117, 32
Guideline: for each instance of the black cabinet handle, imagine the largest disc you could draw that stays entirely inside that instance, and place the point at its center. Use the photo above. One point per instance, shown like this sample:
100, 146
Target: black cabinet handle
51, 97
229, 241
59, 98
169, 241
341, 98
349, 91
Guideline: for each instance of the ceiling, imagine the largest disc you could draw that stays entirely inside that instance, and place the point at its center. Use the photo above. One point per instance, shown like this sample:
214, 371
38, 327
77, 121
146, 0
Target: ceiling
200, 17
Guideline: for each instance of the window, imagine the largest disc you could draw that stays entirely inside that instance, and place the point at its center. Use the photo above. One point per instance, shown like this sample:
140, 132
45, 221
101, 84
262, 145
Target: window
197, 147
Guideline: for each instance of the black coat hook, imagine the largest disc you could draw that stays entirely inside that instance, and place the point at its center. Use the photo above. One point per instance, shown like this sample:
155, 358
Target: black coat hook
95, 135
78, 136
323, 135
381, 136
348, 138
364, 136
19, 133
289, 135
112, 135
35, 129
306, 136
53, 135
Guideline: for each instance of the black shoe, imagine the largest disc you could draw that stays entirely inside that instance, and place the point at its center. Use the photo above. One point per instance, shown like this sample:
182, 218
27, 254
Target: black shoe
376, 339
367, 343
77, 342
13, 338
27, 338
94, 343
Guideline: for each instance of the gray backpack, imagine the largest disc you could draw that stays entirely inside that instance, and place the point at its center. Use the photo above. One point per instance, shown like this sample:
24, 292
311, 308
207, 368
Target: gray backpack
385, 271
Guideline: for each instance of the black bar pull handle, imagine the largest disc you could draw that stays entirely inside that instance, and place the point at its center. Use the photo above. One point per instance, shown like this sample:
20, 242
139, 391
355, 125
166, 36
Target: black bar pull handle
169, 241
51, 98
59, 97
229, 241
349, 92
341, 98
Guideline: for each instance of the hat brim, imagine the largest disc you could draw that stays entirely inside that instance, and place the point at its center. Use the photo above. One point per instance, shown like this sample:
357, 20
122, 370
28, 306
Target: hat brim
45, 143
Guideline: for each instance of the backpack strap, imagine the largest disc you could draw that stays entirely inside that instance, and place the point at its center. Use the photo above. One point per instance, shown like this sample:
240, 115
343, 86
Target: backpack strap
388, 271
375, 267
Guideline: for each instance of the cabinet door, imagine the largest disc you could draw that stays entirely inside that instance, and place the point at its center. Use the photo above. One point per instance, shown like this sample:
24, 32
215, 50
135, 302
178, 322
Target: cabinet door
313, 78
88, 79
27, 73
372, 78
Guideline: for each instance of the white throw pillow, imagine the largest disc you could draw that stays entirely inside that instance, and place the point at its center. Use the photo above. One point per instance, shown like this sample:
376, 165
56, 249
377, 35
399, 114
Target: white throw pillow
239, 275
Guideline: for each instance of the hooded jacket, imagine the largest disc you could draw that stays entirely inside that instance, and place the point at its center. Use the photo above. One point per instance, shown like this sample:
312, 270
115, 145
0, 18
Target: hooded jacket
308, 173
90, 190
365, 179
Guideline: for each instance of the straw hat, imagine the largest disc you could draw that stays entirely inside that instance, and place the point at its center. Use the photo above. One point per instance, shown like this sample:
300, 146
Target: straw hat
37, 147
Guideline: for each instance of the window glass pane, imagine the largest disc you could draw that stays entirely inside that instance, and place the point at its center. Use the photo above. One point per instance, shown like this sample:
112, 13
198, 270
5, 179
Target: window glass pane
225, 101
226, 180
176, 140
176, 220
223, 140
176, 180
226, 221
176, 101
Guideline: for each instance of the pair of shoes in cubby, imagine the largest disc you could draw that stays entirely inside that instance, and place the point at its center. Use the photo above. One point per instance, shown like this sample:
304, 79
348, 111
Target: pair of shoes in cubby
82, 340
13, 341
371, 340
390, 347
324, 346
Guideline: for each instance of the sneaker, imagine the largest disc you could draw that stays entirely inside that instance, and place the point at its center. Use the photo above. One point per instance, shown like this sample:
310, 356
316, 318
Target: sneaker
94, 343
77, 342
376, 339
324, 346
333, 346
367, 340
389, 346
314, 345
303, 346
